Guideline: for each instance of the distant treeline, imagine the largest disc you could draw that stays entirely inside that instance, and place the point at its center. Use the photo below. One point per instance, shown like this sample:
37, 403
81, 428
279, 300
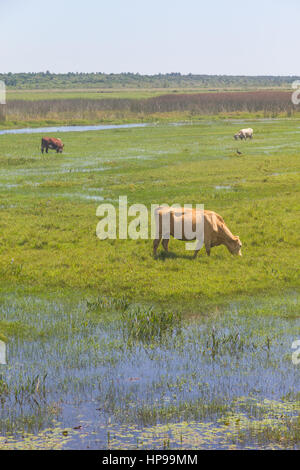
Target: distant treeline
269, 102
48, 80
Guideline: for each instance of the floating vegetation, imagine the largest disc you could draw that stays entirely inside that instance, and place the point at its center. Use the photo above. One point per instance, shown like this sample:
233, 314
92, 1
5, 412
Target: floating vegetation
54, 438
232, 431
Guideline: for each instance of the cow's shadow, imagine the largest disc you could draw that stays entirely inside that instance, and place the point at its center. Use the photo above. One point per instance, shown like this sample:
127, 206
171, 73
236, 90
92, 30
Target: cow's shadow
163, 255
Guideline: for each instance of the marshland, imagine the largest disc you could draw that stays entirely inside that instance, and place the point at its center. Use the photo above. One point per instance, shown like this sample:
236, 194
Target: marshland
108, 347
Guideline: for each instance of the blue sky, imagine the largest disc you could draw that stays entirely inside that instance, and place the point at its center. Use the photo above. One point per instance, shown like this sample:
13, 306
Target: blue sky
254, 37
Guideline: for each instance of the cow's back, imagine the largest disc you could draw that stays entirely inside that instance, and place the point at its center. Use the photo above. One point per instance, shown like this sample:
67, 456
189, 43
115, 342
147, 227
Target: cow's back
175, 220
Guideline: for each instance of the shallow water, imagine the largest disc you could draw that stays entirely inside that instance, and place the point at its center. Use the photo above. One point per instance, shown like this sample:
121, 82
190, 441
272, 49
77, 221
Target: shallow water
104, 391
219, 188
45, 130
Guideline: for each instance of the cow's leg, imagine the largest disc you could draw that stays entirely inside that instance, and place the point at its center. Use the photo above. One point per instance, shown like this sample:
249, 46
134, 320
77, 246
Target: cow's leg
165, 244
156, 242
46, 149
195, 254
42, 149
207, 248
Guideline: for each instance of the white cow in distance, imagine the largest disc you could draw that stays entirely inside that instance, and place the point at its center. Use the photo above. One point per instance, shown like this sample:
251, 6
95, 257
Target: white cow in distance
244, 134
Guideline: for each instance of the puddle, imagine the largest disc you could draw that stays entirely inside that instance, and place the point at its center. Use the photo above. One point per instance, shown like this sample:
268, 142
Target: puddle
94, 189
277, 147
8, 186
85, 196
93, 198
285, 173
75, 370
9, 206
220, 188
45, 171
137, 157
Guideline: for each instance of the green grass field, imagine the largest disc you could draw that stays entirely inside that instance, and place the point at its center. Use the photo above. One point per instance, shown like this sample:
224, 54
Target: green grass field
98, 93
48, 210
51, 263
104, 93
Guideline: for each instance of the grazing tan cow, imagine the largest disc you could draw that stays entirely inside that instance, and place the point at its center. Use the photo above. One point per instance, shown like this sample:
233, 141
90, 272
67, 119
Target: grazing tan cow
244, 134
215, 230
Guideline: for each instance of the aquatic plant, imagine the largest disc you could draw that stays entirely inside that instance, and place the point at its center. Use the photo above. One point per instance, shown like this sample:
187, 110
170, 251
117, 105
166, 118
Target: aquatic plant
149, 324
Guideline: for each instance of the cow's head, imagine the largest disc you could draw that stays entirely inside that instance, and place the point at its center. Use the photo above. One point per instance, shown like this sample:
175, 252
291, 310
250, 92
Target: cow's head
61, 148
236, 136
235, 246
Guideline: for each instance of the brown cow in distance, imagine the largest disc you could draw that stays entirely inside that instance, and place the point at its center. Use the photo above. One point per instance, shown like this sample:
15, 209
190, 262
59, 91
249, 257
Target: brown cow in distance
178, 221
51, 143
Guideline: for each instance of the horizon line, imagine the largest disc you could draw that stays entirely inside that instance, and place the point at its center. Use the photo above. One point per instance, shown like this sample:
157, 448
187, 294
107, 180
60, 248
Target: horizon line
48, 72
